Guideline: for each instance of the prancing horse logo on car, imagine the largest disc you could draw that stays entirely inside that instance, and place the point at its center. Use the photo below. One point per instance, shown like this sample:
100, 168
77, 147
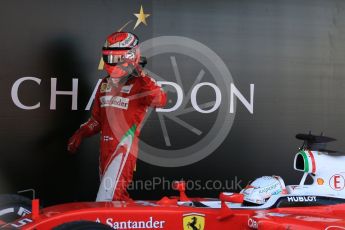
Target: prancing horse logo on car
193, 221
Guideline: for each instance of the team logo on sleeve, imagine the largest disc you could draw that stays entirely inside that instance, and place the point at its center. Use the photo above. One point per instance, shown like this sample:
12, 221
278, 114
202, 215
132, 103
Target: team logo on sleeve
105, 88
193, 221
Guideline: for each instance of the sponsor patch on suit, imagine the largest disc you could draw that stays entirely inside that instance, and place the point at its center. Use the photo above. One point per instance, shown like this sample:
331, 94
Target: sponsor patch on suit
105, 88
118, 102
126, 89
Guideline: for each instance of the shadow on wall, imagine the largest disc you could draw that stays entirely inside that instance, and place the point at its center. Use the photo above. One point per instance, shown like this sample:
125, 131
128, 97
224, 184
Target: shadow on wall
58, 176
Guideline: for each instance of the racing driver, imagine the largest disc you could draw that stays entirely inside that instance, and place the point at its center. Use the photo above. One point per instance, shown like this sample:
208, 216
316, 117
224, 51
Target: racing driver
262, 188
119, 107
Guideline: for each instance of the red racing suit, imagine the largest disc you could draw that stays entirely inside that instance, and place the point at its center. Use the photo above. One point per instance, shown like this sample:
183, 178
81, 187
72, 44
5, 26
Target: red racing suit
117, 113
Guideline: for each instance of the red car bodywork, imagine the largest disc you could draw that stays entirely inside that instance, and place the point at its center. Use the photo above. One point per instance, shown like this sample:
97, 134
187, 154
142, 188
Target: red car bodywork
173, 214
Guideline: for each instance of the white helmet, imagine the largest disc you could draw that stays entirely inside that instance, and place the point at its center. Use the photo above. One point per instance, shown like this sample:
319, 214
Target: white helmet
263, 188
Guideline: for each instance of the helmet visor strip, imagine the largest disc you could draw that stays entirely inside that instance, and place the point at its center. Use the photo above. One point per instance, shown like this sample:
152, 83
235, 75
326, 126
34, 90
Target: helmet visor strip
112, 57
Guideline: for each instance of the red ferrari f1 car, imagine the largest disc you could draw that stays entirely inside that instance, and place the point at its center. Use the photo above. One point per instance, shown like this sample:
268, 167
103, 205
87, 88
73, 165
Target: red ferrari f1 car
318, 205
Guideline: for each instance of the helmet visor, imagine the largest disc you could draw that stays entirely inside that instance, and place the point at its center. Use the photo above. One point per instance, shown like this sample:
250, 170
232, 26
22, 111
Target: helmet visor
114, 57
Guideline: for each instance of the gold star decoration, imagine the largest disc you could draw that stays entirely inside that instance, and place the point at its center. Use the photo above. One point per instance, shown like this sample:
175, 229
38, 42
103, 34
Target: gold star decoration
141, 17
